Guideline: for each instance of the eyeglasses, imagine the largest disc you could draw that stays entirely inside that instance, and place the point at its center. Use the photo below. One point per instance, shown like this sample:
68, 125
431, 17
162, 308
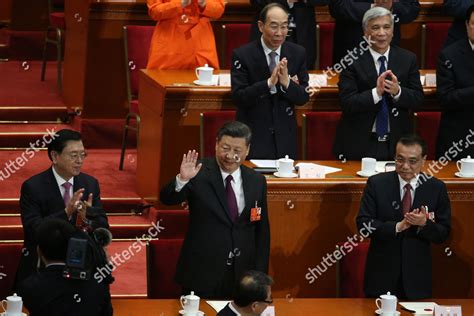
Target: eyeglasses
75, 155
402, 161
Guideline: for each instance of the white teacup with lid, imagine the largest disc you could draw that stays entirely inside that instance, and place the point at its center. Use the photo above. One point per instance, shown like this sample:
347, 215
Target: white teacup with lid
466, 166
14, 305
285, 166
387, 304
190, 304
204, 74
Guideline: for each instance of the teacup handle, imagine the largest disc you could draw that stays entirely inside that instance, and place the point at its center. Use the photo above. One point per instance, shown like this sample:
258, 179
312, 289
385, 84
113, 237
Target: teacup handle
377, 301
277, 164
3, 307
458, 163
182, 300
197, 73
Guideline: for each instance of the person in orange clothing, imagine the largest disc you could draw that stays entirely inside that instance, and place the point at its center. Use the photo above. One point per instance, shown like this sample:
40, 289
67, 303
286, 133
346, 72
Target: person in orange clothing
183, 37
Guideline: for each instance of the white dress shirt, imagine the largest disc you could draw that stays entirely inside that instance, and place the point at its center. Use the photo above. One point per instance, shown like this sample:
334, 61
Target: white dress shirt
414, 184
472, 44
60, 181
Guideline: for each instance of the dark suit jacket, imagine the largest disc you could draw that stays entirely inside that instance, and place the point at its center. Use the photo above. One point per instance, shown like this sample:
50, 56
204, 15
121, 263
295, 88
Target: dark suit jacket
359, 111
455, 85
226, 311
305, 19
47, 293
41, 199
406, 254
458, 10
348, 32
271, 117
212, 235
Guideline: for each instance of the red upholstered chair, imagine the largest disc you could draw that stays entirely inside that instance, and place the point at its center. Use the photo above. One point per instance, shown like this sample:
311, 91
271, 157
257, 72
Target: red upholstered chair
351, 270
10, 254
54, 35
137, 43
319, 131
235, 35
162, 257
211, 122
175, 223
324, 42
427, 126
433, 36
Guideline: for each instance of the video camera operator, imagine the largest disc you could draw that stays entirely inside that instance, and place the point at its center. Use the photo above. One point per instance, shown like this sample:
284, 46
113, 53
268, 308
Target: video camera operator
62, 287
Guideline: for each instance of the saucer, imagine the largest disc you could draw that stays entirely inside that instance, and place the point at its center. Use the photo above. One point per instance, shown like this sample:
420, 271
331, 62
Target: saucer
199, 313
365, 174
460, 175
206, 83
279, 175
379, 312
5, 314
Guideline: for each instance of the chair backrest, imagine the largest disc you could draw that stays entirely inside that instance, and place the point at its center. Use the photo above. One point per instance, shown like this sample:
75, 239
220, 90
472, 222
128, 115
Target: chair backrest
325, 43
427, 127
175, 222
235, 35
434, 34
162, 258
10, 254
210, 123
137, 40
351, 270
319, 131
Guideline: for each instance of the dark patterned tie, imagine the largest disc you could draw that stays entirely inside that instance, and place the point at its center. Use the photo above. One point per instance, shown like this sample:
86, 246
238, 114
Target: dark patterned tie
272, 63
231, 200
406, 201
66, 195
381, 125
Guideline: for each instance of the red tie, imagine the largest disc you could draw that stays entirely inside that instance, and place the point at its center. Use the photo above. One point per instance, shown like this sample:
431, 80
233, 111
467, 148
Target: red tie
406, 201
231, 200
66, 195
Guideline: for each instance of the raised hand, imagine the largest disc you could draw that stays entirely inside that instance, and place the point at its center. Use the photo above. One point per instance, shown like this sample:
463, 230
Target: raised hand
273, 80
189, 167
283, 77
72, 204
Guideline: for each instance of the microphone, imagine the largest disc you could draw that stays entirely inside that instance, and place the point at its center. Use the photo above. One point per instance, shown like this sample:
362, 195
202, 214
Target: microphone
102, 236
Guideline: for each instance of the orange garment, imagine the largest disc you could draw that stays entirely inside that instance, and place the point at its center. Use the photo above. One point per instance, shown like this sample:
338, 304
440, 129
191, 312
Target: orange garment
183, 37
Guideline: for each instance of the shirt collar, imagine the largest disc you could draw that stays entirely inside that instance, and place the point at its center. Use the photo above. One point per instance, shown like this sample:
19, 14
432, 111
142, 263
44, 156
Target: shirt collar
236, 175
60, 180
472, 44
267, 50
376, 55
413, 182
231, 306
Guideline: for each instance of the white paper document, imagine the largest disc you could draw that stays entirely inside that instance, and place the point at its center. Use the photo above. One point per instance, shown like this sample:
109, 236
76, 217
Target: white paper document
419, 308
264, 163
269, 311
318, 80
218, 305
224, 80
327, 169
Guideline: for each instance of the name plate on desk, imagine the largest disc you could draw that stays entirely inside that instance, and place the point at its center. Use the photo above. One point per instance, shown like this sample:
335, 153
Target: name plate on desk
440, 310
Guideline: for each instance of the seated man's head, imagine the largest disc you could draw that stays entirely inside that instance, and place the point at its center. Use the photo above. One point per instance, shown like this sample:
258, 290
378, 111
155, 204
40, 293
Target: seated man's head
232, 145
253, 293
67, 153
53, 239
378, 25
470, 23
410, 156
273, 24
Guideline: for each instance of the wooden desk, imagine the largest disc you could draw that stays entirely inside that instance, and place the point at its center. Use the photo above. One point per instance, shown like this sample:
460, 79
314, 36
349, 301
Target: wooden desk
284, 307
170, 94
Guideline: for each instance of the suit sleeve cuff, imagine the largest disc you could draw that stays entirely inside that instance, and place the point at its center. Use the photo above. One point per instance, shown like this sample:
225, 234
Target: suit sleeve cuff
179, 184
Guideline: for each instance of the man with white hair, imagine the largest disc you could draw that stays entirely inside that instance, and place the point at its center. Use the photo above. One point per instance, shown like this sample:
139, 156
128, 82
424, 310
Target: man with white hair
377, 90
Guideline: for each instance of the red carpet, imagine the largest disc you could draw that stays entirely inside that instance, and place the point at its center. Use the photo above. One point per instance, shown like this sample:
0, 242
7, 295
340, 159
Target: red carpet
21, 84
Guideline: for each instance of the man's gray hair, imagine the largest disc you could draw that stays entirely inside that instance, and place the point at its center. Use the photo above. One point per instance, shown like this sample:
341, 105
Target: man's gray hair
373, 13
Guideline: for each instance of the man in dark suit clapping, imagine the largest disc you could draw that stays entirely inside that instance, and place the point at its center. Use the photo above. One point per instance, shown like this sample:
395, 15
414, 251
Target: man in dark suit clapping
228, 231
377, 92
269, 78
408, 210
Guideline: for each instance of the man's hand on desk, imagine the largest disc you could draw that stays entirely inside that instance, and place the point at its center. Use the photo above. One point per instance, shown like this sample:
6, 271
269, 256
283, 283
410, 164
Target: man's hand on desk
189, 167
